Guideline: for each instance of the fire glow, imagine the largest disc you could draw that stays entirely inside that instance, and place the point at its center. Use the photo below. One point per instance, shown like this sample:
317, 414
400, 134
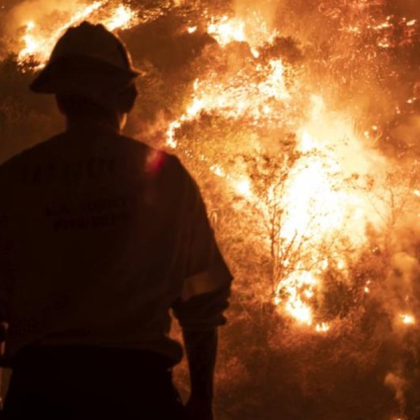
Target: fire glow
38, 40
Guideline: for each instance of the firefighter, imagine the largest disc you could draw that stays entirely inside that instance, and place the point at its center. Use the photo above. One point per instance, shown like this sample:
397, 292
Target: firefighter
101, 237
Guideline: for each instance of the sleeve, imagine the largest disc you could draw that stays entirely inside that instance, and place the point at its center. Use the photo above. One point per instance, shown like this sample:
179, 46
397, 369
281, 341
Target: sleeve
206, 279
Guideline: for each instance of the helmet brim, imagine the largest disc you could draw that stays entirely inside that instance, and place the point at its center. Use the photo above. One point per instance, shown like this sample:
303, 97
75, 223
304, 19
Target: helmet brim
76, 74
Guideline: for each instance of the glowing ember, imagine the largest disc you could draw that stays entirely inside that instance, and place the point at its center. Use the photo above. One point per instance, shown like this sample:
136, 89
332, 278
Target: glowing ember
322, 328
407, 319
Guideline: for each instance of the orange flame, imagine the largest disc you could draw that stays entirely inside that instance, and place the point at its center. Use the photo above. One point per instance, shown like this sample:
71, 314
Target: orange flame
319, 203
38, 41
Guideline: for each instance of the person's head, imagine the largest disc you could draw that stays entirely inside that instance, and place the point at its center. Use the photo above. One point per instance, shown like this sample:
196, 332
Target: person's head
91, 74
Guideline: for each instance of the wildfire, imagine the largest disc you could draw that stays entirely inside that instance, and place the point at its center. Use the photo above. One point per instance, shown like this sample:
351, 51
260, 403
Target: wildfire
301, 183
238, 97
321, 197
248, 93
39, 39
318, 201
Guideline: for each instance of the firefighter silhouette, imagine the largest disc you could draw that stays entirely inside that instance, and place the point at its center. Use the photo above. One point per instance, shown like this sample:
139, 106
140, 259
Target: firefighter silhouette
101, 237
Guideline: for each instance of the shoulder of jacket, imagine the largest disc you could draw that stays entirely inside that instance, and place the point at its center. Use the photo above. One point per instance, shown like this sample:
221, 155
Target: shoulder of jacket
13, 164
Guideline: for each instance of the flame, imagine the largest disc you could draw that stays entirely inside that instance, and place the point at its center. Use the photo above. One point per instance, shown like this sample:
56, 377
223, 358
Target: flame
224, 96
38, 40
252, 29
227, 30
297, 289
319, 202
31, 43
122, 18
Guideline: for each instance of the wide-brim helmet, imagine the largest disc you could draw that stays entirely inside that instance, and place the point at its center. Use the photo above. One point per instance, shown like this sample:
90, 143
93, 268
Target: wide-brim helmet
90, 61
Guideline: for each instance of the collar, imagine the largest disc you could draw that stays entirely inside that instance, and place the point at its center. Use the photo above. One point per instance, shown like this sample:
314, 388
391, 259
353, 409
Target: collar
88, 124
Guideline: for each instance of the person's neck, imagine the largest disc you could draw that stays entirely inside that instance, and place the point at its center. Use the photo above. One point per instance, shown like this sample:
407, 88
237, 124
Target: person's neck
108, 124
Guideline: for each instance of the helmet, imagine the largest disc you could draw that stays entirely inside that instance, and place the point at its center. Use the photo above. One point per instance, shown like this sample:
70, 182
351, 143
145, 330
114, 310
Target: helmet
90, 61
